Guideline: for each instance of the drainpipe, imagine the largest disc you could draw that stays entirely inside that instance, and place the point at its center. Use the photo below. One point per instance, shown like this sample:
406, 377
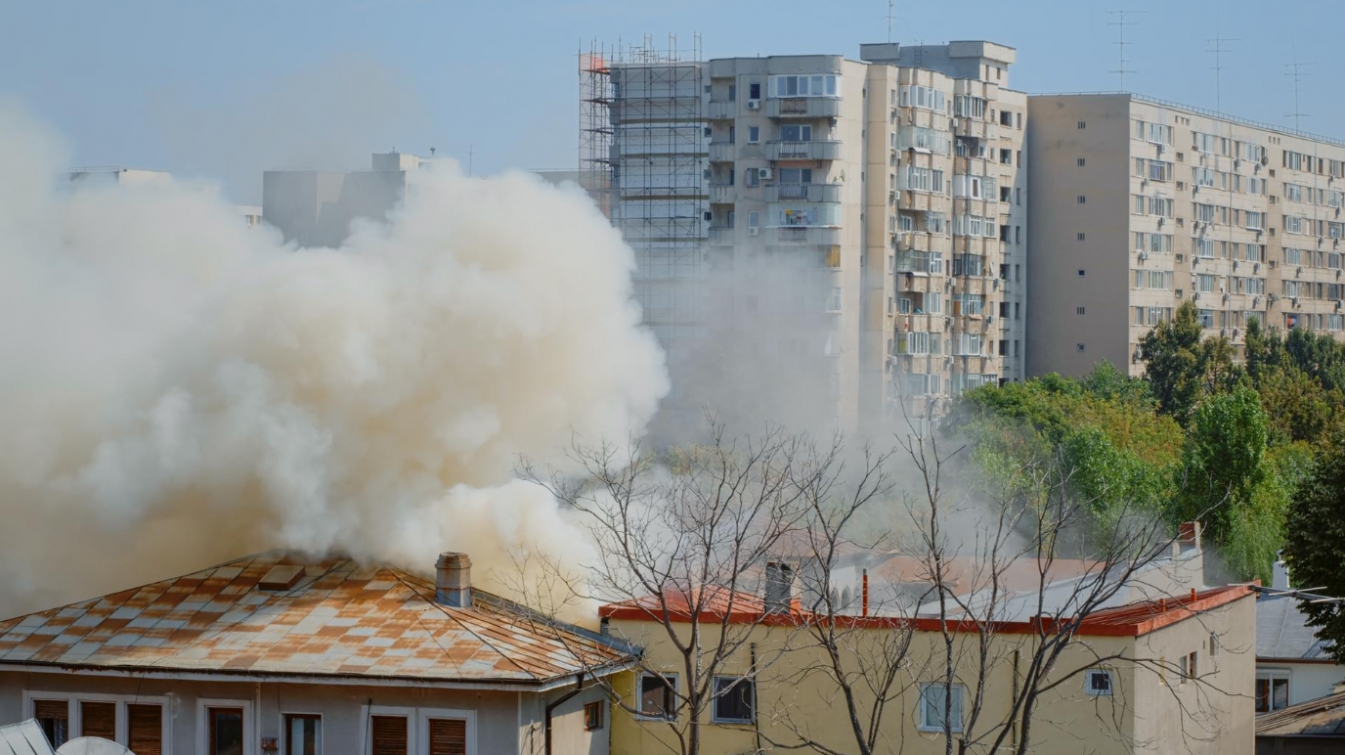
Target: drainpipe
551, 707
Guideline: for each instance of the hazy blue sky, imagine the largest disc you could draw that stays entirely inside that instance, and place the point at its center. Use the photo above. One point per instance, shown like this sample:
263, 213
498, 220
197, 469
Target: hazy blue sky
228, 88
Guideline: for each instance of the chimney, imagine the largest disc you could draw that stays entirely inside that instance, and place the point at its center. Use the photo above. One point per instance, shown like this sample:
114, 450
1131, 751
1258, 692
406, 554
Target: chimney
1280, 575
1188, 535
779, 587
453, 580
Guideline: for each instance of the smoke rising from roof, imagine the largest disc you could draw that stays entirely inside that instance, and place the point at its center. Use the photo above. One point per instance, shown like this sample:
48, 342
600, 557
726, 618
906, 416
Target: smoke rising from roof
180, 389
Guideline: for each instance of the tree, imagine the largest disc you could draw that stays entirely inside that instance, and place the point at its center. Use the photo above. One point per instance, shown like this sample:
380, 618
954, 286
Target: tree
1181, 367
1314, 547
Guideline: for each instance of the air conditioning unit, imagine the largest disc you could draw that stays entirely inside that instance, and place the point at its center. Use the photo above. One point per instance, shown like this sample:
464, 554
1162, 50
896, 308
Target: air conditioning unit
1144, 256
753, 231
765, 174
1225, 297
754, 104
1160, 221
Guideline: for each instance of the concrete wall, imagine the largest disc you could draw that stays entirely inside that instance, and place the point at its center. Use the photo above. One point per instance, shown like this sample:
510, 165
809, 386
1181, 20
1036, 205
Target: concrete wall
1307, 680
500, 722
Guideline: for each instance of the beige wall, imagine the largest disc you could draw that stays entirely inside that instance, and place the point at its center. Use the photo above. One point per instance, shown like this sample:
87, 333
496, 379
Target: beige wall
505, 722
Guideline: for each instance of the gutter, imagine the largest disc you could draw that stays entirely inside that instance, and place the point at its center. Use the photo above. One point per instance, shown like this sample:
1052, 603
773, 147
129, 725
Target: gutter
551, 707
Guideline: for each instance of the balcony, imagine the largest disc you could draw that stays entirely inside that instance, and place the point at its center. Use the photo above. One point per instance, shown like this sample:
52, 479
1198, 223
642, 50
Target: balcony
721, 193
722, 110
974, 127
811, 235
804, 107
721, 235
815, 150
722, 152
804, 192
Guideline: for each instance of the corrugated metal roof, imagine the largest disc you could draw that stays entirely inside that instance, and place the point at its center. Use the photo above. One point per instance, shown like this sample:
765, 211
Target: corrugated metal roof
24, 738
1282, 630
1323, 718
341, 618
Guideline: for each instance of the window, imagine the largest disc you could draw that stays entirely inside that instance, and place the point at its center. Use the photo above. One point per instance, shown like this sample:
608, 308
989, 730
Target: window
303, 734
98, 719
1078, 310
796, 133
968, 107
752, 177
753, 219
1214, 644
1081, 273
1079, 347
1082, 125
1081, 237
224, 735
1082, 199
733, 699
53, 717
1081, 162
754, 91
1098, 683
753, 134
448, 736
1272, 692
935, 700
805, 85
1192, 670
657, 696
144, 728
389, 735
593, 716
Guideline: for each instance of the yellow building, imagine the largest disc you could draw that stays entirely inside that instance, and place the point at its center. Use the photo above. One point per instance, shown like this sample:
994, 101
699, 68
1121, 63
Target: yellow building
1173, 678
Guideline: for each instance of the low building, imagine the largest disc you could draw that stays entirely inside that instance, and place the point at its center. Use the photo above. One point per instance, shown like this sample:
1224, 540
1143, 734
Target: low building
1176, 671
1293, 666
278, 653
1316, 727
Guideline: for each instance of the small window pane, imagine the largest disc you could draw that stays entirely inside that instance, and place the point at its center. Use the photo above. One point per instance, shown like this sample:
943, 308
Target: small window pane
389, 735
226, 731
733, 699
656, 695
303, 735
53, 716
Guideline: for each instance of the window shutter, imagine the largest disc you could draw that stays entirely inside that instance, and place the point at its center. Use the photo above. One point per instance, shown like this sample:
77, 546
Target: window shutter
389, 735
448, 737
98, 720
58, 709
145, 724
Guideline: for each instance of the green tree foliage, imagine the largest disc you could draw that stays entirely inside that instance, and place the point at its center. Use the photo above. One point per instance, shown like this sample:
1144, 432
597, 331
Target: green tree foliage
1181, 367
1314, 546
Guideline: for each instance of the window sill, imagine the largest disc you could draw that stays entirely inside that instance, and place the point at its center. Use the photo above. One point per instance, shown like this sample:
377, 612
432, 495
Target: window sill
937, 729
733, 721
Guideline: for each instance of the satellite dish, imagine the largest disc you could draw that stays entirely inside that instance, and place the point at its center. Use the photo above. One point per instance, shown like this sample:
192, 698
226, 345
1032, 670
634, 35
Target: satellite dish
92, 746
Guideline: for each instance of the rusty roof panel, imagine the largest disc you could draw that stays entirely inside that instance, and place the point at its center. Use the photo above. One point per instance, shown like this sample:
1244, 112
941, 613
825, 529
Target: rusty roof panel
336, 617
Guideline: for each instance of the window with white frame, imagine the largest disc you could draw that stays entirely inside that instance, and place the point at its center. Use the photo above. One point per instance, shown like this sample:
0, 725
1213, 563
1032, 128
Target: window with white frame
1098, 682
805, 85
303, 734
922, 179
1203, 142
926, 98
941, 704
1256, 220
1272, 691
968, 107
1160, 206
1204, 248
1204, 212
923, 140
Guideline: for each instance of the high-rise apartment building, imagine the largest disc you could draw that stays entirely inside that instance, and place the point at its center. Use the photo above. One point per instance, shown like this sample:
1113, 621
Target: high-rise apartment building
854, 230
1140, 205
315, 208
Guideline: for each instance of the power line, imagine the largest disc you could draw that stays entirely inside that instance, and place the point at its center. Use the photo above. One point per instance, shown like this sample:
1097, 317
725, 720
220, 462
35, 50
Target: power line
1121, 19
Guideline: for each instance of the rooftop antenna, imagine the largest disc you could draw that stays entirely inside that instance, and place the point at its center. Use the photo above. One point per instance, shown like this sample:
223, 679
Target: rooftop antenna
1121, 19
891, 12
1219, 43
470, 154
1296, 71
431, 151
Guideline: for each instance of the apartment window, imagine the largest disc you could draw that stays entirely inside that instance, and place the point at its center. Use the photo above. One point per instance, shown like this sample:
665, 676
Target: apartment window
1272, 692
1098, 683
733, 92
224, 735
1081, 273
593, 716
1081, 236
1018, 234
926, 98
1082, 199
1006, 156
1081, 162
448, 736
1079, 347
657, 695
1017, 311
753, 134
754, 91
796, 133
389, 735
935, 700
53, 717
1214, 644
98, 719
751, 177
1192, 670
805, 85
1004, 194
1083, 125
753, 219
144, 728
733, 699
1005, 118
1078, 310
303, 734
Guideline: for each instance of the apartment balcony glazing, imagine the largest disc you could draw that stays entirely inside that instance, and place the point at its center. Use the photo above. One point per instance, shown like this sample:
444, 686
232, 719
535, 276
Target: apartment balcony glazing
976, 128
722, 152
814, 150
803, 107
813, 235
722, 193
721, 110
804, 192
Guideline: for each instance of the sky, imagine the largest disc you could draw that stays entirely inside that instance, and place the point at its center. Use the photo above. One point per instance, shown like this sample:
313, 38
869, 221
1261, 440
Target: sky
225, 90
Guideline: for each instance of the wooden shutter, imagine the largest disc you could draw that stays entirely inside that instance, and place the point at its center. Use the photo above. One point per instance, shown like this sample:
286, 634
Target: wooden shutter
98, 720
448, 736
145, 725
389, 735
53, 709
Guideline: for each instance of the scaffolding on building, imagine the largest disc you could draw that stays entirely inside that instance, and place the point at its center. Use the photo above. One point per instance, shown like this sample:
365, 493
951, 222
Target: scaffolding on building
644, 155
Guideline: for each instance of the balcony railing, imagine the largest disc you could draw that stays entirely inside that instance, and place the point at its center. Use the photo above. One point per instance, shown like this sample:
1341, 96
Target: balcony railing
804, 192
803, 107
721, 235
721, 152
816, 150
722, 110
721, 193
804, 234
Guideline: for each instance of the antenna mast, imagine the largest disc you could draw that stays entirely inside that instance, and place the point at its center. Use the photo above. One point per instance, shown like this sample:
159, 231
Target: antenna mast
891, 12
1296, 72
1120, 19
1219, 41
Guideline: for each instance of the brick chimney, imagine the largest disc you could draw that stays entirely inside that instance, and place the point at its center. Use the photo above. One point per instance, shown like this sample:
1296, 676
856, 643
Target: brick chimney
453, 580
1188, 535
779, 596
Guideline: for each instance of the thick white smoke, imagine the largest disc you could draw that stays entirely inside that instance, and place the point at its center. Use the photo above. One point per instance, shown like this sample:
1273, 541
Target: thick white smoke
178, 389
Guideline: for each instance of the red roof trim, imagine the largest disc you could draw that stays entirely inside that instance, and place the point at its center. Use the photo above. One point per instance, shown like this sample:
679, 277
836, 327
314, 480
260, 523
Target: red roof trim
1125, 621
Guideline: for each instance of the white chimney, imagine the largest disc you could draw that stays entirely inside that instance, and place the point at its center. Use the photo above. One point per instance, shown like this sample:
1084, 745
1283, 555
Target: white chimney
453, 580
779, 596
1279, 578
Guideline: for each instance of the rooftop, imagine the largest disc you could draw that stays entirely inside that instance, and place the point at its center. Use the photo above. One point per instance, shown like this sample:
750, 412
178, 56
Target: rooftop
1323, 717
278, 614
1282, 631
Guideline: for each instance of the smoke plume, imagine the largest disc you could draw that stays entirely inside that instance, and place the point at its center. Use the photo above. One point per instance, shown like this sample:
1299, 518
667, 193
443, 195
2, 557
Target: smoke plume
179, 389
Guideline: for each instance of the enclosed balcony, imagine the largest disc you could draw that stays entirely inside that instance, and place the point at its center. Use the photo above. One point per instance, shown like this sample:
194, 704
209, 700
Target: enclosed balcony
814, 150
722, 110
722, 152
803, 107
804, 192
820, 235
722, 193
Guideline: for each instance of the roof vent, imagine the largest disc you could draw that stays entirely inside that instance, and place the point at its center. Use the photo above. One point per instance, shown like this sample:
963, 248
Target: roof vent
453, 580
281, 577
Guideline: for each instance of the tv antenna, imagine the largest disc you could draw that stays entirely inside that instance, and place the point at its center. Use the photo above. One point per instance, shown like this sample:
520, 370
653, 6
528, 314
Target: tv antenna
891, 13
1121, 19
1296, 72
1219, 47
